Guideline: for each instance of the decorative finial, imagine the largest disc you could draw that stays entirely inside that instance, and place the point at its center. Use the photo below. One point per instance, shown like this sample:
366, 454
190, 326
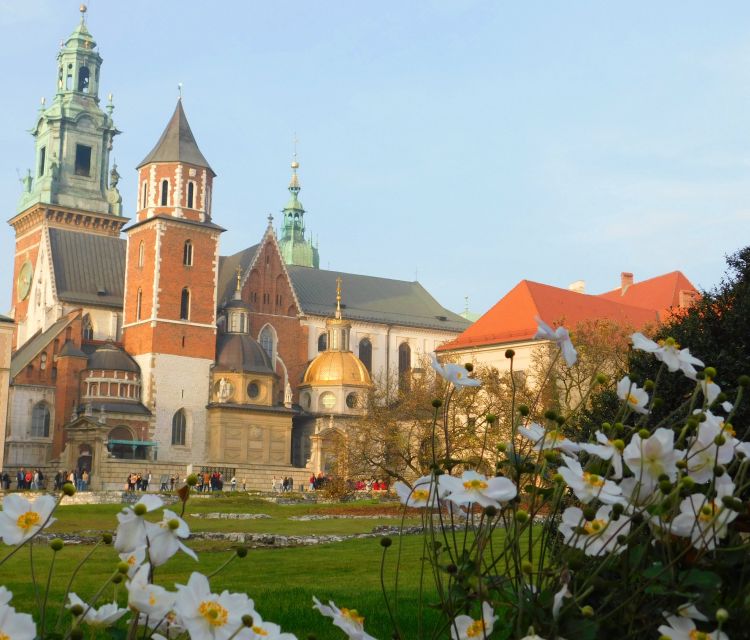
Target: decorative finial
270, 219
110, 105
295, 163
338, 298
83, 9
239, 277
466, 306
179, 91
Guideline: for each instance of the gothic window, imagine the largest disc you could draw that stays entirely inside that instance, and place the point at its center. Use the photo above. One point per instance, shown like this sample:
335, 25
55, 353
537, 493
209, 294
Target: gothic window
322, 342
138, 300
43, 361
266, 340
88, 328
141, 250
42, 160
164, 192
187, 254
185, 304
365, 353
83, 79
83, 160
404, 365
144, 195
179, 427
190, 194
69, 78
40, 421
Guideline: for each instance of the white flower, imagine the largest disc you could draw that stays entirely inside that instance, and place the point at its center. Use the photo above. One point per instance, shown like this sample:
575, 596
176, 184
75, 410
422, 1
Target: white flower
206, 615
466, 628
557, 601
348, 620
474, 487
636, 398
711, 390
704, 454
705, 521
454, 373
547, 439
16, 626
606, 450
425, 493
684, 629
559, 336
669, 352
131, 532
21, 519
164, 538
167, 625
597, 536
589, 486
102, 617
263, 631
689, 610
135, 559
652, 457
5, 596
639, 492
151, 599
743, 448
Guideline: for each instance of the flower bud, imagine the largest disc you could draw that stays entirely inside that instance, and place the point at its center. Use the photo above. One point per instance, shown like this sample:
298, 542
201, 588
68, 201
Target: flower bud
618, 508
644, 433
720, 440
550, 414
107, 538
241, 552
587, 611
618, 444
192, 480
76, 610
140, 509
173, 524
722, 397
56, 544
123, 567
558, 478
681, 464
722, 615
665, 486
637, 518
452, 569
700, 376
502, 447
522, 516
509, 353
118, 578
385, 542
744, 381
606, 427
560, 420
469, 367
247, 620
663, 477
589, 513
719, 470
649, 385
437, 403
657, 402
687, 482
68, 489
622, 539
490, 418
619, 428
524, 410
76, 633
550, 455
601, 378
527, 567
702, 417
710, 372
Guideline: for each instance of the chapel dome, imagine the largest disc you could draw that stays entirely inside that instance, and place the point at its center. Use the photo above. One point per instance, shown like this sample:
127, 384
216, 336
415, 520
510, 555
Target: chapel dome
108, 357
239, 352
337, 368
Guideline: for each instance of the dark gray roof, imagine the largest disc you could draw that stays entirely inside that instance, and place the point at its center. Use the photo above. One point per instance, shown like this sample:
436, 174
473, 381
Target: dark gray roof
70, 349
372, 299
240, 352
89, 269
33, 346
177, 143
120, 407
108, 357
228, 272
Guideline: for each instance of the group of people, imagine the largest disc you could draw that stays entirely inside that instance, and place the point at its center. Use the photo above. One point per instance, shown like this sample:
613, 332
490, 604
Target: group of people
138, 481
26, 479
371, 485
284, 484
210, 481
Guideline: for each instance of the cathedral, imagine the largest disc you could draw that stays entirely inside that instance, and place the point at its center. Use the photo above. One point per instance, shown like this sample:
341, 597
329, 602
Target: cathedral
138, 346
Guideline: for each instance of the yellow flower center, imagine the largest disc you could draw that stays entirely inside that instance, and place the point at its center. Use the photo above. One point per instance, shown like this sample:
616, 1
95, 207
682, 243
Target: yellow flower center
707, 512
553, 436
595, 527
152, 599
256, 630
632, 399
353, 616
475, 485
476, 629
214, 613
699, 635
420, 495
592, 479
27, 520
459, 375
669, 343
728, 429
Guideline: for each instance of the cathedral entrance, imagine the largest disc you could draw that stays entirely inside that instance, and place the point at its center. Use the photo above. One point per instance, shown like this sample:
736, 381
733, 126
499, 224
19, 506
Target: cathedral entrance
84, 458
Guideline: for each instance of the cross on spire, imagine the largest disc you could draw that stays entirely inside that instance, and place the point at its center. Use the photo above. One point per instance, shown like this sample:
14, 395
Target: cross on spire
338, 298
179, 90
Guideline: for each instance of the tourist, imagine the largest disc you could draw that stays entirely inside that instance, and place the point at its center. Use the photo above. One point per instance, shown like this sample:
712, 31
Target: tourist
6, 481
85, 480
171, 482
312, 482
234, 483
244, 484
274, 485
146, 480
291, 483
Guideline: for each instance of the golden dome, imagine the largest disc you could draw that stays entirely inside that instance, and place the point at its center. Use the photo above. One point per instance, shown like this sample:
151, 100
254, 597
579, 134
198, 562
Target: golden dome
335, 368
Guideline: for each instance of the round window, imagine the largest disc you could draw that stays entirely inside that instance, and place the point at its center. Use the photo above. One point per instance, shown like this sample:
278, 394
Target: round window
352, 401
253, 390
327, 400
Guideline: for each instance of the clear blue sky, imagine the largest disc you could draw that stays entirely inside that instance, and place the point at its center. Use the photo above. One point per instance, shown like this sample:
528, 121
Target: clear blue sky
476, 142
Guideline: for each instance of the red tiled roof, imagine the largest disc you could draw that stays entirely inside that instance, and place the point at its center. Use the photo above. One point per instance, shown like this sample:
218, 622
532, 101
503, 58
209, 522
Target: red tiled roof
661, 293
512, 318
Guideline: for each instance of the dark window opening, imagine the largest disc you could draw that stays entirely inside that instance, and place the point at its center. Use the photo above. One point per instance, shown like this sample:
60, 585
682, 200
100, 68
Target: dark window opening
69, 78
187, 254
322, 342
404, 365
83, 160
40, 421
42, 160
365, 353
164, 192
138, 300
144, 196
185, 304
191, 189
83, 79
179, 428
88, 329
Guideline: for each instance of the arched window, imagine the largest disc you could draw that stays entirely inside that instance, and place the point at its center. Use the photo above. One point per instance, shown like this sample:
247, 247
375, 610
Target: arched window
187, 254
83, 79
179, 428
40, 421
266, 340
365, 353
141, 252
404, 365
164, 192
322, 342
88, 328
144, 195
43, 361
185, 304
138, 300
190, 194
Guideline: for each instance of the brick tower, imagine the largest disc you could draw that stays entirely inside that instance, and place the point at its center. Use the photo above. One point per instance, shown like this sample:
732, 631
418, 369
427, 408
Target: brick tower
170, 289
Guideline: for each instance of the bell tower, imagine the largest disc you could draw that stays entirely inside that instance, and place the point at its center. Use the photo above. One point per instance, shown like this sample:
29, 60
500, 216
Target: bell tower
170, 288
294, 247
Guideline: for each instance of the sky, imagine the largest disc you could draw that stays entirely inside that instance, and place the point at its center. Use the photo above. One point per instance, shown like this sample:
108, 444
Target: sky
468, 144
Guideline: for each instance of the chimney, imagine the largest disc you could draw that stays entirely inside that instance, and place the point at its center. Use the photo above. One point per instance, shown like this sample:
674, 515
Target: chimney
579, 286
626, 279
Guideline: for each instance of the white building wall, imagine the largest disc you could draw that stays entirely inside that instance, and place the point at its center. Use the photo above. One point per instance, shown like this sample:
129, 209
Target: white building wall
20, 447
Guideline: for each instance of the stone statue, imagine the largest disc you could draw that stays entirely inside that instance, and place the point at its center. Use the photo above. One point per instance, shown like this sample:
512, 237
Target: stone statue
113, 195
288, 395
225, 390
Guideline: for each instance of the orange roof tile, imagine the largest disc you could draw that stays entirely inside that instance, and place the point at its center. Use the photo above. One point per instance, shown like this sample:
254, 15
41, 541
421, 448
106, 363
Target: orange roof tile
661, 293
512, 318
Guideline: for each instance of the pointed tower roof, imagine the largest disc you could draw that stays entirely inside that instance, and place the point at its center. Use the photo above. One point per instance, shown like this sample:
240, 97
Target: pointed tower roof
177, 143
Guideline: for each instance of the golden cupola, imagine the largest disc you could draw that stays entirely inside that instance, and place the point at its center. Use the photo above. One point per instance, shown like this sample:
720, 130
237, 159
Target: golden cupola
336, 378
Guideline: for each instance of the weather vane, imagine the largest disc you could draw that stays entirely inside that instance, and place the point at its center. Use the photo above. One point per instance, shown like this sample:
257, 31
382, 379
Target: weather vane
179, 90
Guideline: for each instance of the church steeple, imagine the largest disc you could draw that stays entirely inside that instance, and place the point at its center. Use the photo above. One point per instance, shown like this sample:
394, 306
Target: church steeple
295, 248
73, 135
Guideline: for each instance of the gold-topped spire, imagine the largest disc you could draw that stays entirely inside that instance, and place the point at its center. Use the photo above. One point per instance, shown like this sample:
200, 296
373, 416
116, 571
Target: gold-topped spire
338, 298
239, 277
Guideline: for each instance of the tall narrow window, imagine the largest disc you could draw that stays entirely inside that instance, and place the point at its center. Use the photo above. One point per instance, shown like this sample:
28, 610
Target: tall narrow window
185, 304
138, 299
83, 79
179, 428
190, 193
322, 342
83, 160
88, 328
164, 192
40, 421
266, 340
365, 353
141, 252
144, 195
187, 254
404, 365
42, 160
